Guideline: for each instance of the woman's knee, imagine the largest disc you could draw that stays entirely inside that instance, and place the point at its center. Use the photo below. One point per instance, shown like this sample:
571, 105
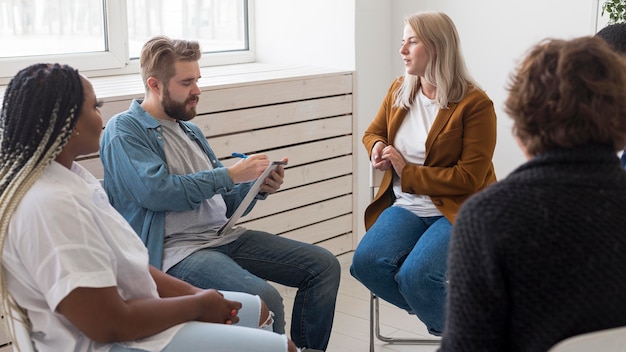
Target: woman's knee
367, 262
420, 282
196, 336
365, 257
362, 262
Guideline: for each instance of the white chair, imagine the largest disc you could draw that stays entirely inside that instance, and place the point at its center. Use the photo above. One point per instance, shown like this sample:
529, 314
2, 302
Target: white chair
376, 177
610, 340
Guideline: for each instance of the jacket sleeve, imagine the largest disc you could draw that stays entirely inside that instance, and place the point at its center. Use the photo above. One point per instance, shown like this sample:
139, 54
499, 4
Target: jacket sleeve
459, 158
379, 127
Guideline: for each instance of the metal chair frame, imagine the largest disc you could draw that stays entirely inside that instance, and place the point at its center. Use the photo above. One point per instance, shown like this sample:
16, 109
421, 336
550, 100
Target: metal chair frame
375, 180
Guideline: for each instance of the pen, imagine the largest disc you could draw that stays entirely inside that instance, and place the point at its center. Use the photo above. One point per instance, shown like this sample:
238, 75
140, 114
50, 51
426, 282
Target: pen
239, 155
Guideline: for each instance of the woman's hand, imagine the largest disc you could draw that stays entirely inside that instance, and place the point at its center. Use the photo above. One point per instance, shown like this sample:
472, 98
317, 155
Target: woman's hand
391, 155
377, 157
225, 311
218, 309
103, 316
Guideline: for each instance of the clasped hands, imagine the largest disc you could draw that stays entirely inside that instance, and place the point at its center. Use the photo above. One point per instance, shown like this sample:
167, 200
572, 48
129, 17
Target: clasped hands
218, 309
385, 156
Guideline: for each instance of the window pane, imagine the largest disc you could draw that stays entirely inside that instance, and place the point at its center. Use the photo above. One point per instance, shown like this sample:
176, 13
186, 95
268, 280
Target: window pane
44, 27
219, 25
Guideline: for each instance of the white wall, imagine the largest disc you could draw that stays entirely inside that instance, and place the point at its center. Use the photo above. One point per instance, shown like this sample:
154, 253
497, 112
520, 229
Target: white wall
364, 35
374, 73
310, 33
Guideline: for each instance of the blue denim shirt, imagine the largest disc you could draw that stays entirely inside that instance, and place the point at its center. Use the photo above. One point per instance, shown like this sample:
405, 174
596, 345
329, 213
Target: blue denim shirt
139, 185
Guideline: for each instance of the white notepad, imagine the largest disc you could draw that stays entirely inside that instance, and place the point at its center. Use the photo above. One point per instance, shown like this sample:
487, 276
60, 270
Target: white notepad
245, 203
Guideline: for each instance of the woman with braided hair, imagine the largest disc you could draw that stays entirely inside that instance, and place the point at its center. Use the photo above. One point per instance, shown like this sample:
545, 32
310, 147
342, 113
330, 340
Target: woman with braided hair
73, 270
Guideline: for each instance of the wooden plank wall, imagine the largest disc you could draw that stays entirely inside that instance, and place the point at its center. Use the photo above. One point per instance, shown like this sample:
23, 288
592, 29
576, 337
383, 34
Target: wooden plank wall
305, 117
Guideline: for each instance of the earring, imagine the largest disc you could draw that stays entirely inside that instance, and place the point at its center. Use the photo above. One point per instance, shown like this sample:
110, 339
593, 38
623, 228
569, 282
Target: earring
77, 133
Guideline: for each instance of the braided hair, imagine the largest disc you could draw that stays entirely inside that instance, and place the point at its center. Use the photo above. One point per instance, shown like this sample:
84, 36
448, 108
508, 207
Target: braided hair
40, 109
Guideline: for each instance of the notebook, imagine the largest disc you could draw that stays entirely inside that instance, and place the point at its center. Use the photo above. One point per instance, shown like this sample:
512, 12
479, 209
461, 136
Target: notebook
245, 203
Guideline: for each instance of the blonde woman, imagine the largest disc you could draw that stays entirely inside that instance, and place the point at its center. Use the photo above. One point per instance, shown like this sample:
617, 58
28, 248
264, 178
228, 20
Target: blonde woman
434, 137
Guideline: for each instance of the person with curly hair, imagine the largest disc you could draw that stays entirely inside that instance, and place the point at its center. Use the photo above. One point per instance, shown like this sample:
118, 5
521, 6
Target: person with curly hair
539, 256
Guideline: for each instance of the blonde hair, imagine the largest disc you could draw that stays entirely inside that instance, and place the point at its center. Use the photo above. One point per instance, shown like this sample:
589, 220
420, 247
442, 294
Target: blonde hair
446, 69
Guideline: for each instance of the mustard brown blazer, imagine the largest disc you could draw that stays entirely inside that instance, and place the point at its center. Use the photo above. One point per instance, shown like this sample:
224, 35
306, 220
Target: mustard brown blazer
459, 149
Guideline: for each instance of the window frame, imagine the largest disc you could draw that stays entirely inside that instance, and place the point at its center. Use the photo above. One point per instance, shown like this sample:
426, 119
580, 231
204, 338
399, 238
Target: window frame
115, 59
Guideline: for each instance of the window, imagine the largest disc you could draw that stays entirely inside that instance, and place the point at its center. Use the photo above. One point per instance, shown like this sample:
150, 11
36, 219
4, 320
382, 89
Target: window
104, 37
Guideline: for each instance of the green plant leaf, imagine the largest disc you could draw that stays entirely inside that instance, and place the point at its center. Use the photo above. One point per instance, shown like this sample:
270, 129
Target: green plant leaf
616, 9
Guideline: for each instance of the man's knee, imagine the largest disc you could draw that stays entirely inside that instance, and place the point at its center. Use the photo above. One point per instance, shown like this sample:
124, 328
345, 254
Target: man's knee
334, 269
420, 282
270, 296
325, 261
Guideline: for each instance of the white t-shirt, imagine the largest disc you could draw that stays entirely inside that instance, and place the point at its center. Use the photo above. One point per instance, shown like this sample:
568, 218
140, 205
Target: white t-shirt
189, 231
410, 141
64, 234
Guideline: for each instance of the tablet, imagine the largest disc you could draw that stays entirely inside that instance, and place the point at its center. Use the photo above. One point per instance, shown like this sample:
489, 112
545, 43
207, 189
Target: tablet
245, 203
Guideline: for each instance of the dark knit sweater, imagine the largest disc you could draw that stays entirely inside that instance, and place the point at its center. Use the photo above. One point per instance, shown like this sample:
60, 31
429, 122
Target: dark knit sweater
540, 256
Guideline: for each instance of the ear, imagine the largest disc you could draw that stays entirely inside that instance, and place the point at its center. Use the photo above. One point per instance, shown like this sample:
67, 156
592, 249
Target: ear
154, 85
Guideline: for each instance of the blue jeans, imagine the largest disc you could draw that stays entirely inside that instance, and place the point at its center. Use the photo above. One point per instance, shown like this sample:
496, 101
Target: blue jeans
245, 264
402, 259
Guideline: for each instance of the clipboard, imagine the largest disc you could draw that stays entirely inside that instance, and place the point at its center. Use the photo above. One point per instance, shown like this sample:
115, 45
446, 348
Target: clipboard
245, 202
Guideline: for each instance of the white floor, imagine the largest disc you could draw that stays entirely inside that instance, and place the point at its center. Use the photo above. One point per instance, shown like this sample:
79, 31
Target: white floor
351, 326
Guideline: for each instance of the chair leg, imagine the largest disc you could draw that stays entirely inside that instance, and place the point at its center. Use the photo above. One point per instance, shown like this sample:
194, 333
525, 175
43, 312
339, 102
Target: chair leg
372, 326
375, 329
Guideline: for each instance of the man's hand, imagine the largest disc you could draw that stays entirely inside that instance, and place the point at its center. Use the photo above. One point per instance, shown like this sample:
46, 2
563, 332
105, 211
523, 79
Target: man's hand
275, 179
249, 169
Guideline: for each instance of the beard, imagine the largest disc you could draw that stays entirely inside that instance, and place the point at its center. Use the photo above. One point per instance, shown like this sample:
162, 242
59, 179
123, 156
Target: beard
177, 110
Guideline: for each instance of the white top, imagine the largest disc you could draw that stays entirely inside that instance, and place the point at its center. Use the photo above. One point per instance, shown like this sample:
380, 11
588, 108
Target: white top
411, 143
64, 234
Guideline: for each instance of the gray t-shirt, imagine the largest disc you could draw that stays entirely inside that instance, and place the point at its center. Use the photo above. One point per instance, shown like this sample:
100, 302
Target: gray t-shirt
191, 230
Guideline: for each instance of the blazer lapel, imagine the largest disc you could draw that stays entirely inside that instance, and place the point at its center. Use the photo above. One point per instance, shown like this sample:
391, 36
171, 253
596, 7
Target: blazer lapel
443, 116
